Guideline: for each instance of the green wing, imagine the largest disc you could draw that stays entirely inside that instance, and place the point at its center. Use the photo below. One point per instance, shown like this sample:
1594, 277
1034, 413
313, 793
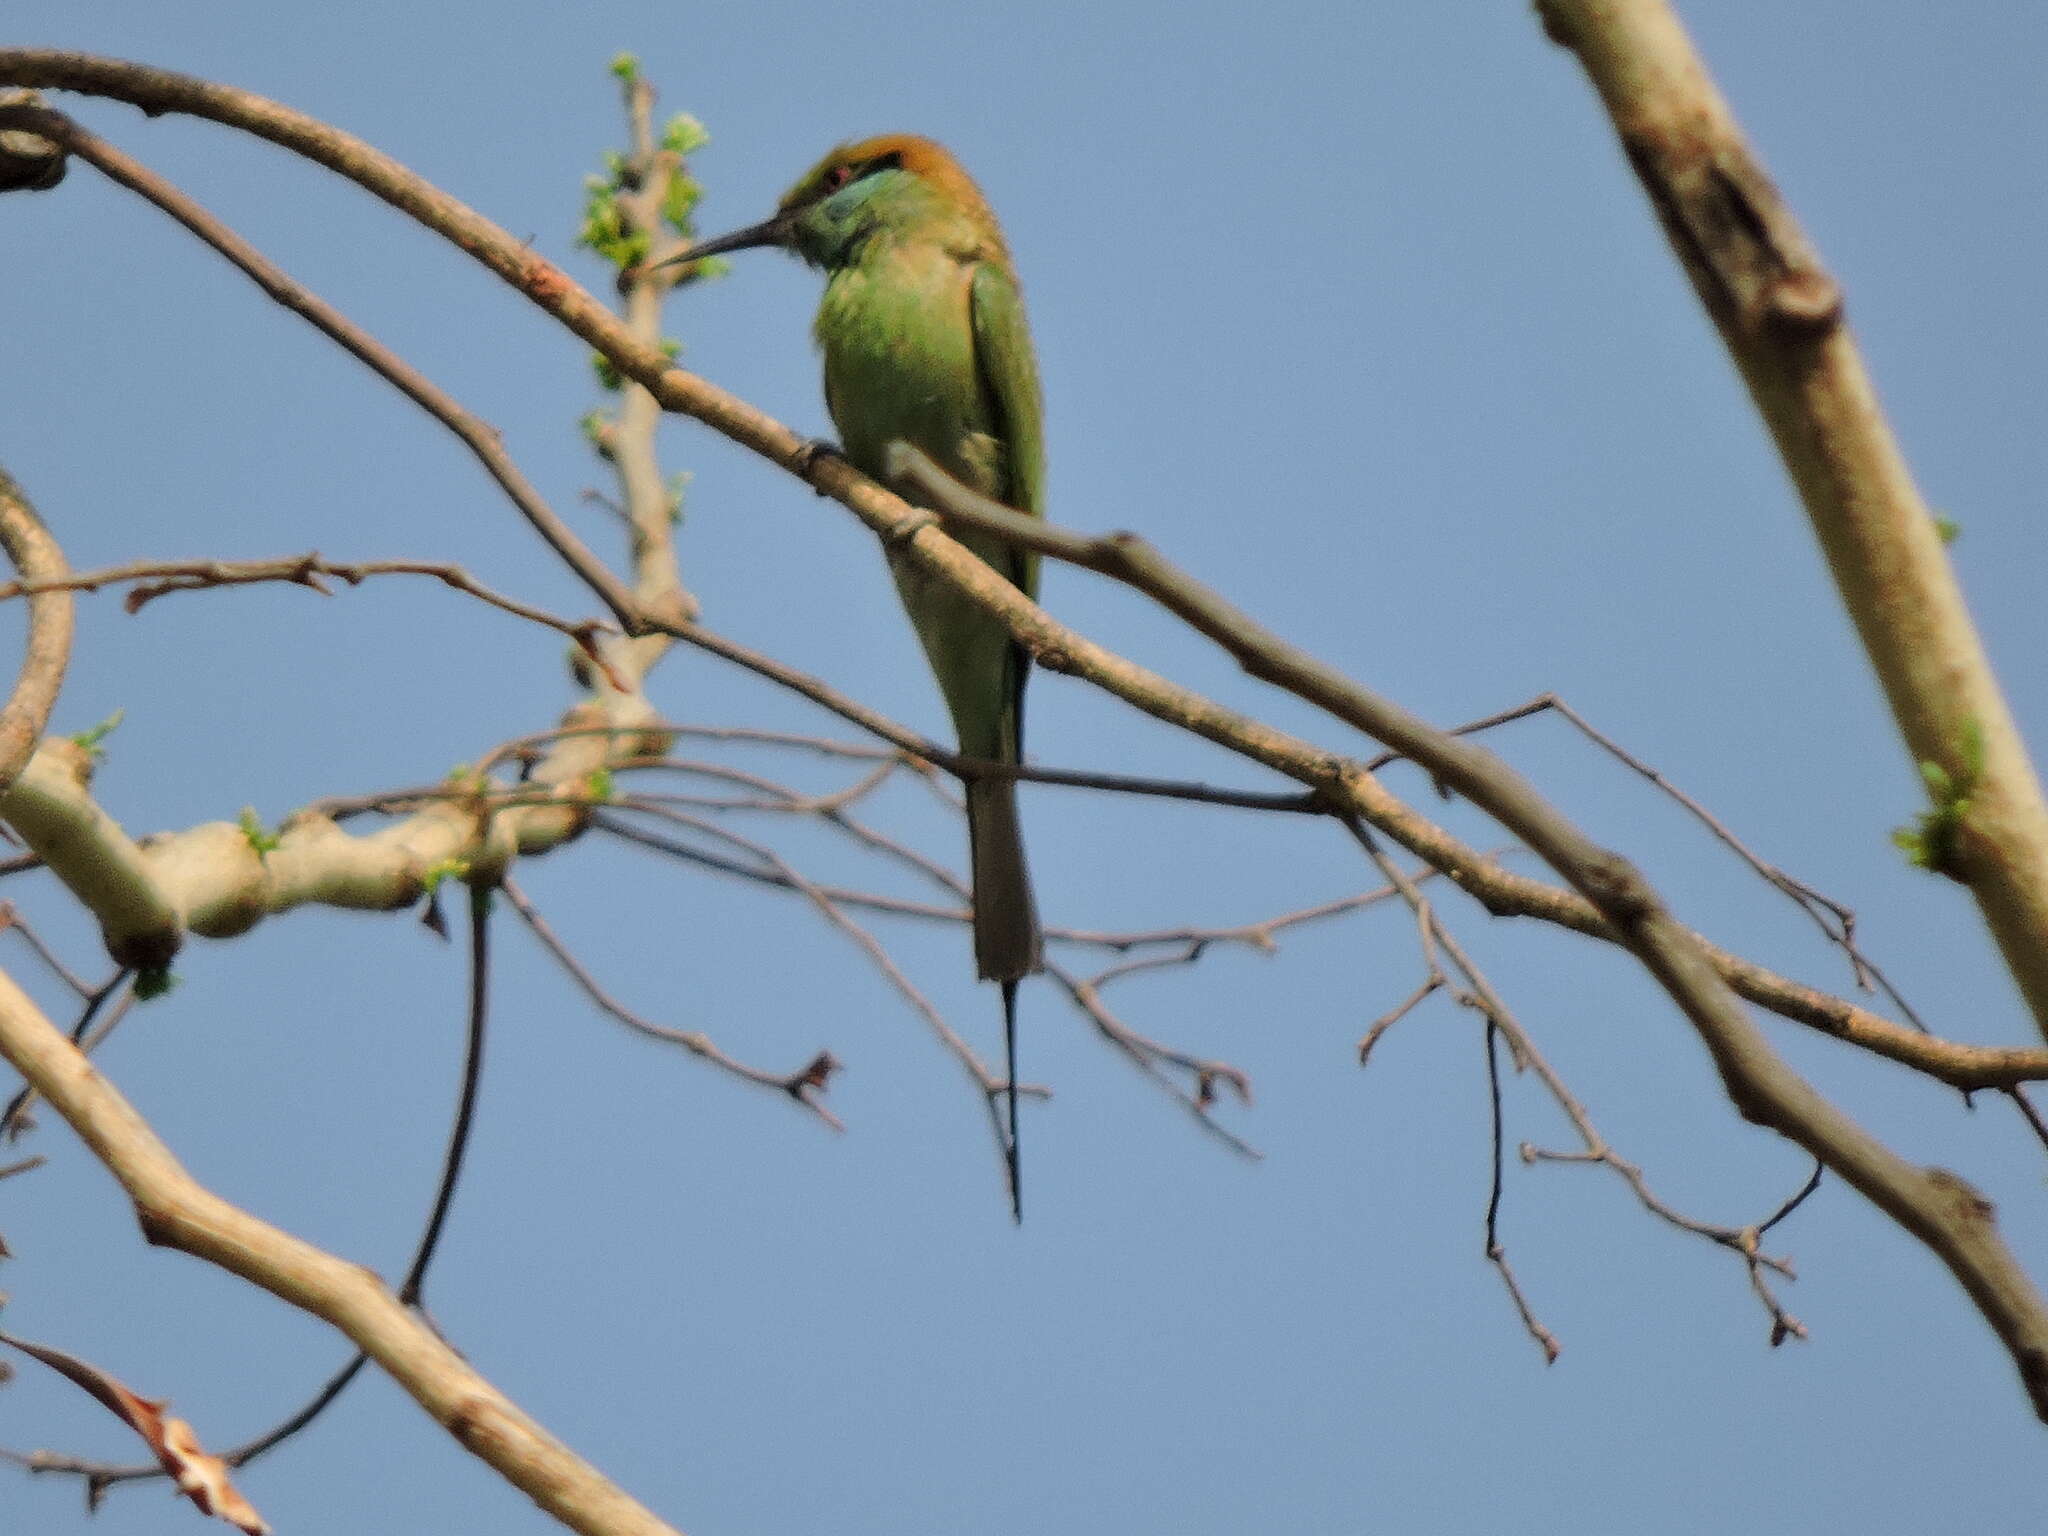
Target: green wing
1009, 382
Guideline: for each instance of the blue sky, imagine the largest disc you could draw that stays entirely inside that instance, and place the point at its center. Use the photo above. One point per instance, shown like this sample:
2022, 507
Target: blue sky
1356, 311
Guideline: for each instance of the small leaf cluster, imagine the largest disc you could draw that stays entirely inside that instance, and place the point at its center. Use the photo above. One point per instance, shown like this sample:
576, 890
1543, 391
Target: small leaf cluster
440, 871
153, 982
606, 228
89, 740
260, 838
1930, 840
609, 376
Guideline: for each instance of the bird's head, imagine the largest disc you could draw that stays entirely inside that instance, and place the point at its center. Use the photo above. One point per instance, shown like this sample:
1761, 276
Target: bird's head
897, 185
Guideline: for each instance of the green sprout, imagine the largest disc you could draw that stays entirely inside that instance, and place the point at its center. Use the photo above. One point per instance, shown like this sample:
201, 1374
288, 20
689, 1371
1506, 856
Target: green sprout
684, 135
441, 870
676, 484
263, 841
604, 228
1930, 840
152, 982
89, 740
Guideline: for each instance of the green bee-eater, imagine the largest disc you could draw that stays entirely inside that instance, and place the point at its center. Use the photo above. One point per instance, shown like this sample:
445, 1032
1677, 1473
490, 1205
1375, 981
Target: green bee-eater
923, 331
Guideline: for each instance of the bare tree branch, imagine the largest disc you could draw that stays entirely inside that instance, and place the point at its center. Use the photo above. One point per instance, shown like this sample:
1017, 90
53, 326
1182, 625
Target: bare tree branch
800, 1085
1779, 312
480, 438
37, 558
1836, 921
1496, 1251
157, 578
11, 921
101, 1476
176, 1211
1449, 968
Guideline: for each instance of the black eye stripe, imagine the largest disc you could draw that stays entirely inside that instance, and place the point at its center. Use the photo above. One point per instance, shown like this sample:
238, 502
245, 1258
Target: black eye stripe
844, 175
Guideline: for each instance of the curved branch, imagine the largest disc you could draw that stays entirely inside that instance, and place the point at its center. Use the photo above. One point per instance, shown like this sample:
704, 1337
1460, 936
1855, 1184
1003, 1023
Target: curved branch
38, 559
176, 1211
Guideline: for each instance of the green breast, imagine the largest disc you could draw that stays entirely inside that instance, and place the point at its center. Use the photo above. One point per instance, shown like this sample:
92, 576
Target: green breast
898, 337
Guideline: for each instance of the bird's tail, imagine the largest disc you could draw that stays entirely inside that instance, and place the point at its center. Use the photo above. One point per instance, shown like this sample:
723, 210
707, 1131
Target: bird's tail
1006, 942
1013, 1154
1006, 939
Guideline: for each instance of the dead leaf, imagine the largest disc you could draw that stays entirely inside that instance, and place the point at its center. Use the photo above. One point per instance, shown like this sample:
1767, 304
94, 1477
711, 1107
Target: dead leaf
200, 1477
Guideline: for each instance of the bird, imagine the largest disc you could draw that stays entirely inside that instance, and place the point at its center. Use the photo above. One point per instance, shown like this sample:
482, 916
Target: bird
924, 338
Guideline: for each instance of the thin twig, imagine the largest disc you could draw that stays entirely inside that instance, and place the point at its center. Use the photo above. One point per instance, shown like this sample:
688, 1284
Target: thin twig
1151, 1056
412, 1289
1836, 921
1444, 957
1431, 984
1496, 1251
989, 1085
153, 579
2032, 1115
480, 438
12, 921
800, 1085
914, 750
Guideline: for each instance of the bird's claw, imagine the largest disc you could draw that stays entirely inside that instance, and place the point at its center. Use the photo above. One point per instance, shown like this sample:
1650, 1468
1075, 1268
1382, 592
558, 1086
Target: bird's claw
817, 448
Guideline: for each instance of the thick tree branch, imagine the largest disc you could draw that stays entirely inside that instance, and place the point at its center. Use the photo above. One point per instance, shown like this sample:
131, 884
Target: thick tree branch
177, 1212
1780, 314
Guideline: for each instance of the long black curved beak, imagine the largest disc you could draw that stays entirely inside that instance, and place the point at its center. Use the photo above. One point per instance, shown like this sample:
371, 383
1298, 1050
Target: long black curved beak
775, 231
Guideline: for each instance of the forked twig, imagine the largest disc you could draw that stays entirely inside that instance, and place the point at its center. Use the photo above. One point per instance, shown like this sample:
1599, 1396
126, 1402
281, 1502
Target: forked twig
1836, 921
800, 1085
1449, 968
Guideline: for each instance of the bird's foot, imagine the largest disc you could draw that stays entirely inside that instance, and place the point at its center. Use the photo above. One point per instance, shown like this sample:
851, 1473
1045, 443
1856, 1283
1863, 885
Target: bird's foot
817, 448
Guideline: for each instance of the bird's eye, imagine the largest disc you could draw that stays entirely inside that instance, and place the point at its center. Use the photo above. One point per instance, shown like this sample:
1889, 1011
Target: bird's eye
838, 177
